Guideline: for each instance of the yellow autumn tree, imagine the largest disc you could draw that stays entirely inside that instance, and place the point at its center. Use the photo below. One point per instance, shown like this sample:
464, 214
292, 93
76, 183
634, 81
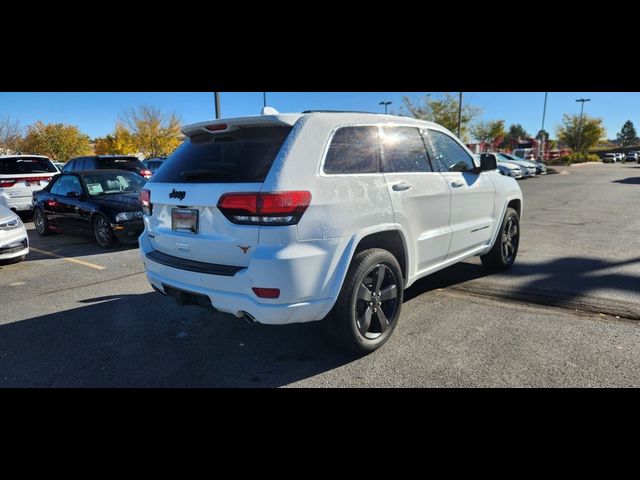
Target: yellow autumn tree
120, 142
154, 133
57, 141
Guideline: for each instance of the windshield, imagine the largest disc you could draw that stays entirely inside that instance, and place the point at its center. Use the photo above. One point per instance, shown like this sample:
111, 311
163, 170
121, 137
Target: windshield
20, 165
111, 183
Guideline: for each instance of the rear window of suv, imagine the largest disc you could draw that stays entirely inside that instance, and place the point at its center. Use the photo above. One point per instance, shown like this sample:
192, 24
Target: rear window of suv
244, 155
19, 165
131, 164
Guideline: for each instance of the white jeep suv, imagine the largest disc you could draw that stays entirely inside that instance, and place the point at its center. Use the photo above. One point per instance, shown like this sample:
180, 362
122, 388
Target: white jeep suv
327, 216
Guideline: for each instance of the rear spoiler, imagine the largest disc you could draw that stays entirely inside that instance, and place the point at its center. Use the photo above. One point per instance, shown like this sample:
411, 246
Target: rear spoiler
227, 125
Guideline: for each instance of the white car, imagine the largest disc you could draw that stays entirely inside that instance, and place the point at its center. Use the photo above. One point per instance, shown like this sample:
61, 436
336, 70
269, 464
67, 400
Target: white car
287, 218
20, 176
529, 169
610, 158
506, 168
14, 242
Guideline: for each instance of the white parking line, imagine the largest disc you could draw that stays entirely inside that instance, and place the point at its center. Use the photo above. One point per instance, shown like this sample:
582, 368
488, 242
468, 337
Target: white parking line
72, 260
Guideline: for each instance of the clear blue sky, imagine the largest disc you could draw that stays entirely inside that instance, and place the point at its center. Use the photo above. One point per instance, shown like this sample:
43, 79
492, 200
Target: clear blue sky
96, 113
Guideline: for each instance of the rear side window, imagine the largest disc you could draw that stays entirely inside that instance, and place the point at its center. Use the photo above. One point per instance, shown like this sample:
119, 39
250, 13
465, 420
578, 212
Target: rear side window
66, 184
449, 155
19, 165
353, 150
244, 155
131, 164
404, 150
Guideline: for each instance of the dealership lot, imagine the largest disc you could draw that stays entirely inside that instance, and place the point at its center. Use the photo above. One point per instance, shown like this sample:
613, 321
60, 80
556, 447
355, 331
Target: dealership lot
76, 315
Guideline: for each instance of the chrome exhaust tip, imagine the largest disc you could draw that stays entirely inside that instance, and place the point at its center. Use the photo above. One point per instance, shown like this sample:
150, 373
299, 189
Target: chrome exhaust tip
250, 319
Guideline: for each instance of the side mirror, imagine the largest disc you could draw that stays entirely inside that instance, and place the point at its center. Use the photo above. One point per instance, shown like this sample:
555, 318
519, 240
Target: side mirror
488, 162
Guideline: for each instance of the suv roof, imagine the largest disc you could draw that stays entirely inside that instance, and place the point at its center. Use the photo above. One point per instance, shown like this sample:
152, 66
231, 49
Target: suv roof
21, 155
289, 119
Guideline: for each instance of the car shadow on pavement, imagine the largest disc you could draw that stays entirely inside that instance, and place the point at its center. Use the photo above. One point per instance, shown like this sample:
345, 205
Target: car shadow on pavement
629, 181
148, 341
453, 275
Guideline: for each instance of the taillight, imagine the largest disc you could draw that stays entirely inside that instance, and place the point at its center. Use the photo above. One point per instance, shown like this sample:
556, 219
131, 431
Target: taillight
145, 200
10, 182
146, 173
7, 183
217, 127
266, 292
279, 208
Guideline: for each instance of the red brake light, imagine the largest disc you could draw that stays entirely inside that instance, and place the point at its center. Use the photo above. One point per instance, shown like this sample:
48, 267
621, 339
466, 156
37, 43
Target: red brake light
145, 200
278, 208
7, 183
216, 127
145, 173
266, 292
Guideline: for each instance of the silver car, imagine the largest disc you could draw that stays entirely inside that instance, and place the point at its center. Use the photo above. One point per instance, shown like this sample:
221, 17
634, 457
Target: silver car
14, 242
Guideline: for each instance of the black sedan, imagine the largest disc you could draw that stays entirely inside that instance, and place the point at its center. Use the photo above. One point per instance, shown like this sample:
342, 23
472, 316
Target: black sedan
103, 203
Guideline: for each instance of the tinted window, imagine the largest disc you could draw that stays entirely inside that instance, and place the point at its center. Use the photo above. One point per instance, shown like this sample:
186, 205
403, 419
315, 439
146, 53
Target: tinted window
404, 150
448, 154
131, 164
66, 184
353, 150
68, 167
18, 165
244, 155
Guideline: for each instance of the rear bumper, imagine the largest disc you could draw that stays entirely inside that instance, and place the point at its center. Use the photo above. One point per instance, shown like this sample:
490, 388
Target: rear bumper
14, 245
18, 204
232, 293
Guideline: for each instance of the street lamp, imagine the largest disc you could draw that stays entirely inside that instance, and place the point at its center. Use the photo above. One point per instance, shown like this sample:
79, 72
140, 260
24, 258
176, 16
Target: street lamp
582, 100
386, 104
264, 99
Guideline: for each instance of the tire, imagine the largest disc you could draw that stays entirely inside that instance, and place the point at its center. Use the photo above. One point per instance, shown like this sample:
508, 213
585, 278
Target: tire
505, 250
102, 231
355, 323
41, 223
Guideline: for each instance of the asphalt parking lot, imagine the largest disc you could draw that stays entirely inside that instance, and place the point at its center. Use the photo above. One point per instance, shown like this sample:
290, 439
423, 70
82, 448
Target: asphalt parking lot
74, 315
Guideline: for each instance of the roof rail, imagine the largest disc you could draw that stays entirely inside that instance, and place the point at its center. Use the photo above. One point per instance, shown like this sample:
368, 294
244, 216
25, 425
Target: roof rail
338, 111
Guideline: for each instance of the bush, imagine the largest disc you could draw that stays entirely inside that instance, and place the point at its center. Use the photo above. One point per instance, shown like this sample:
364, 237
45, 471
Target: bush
575, 158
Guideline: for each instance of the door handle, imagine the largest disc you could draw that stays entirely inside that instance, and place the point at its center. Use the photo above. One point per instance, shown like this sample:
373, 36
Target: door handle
457, 184
401, 187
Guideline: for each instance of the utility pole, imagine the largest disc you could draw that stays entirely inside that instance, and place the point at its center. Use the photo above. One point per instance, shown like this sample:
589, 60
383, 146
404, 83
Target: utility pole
264, 99
217, 102
582, 100
459, 113
544, 137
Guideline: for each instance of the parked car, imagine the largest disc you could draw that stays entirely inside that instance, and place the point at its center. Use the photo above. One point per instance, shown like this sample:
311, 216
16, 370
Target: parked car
20, 176
58, 165
103, 203
107, 162
610, 158
14, 242
506, 168
286, 218
529, 169
153, 164
633, 156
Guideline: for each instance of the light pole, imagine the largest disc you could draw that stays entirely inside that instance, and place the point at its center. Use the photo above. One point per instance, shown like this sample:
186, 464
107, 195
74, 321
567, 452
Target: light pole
582, 100
386, 104
217, 102
542, 132
264, 99
459, 113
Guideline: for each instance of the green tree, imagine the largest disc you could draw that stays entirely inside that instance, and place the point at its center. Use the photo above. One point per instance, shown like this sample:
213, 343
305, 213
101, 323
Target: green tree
443, 111
568, 132
57, 141
627, 136
515, 133
11, 132
154, 133
489, 132
120, 142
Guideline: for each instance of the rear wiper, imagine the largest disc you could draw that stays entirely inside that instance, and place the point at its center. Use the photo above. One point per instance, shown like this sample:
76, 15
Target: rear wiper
203, 174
